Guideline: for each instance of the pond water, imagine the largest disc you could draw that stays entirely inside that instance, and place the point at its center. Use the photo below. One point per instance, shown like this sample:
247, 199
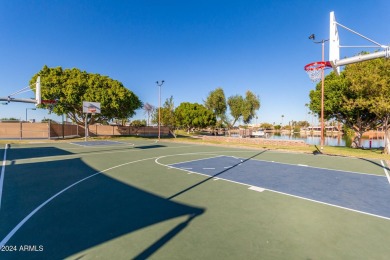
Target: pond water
337, 140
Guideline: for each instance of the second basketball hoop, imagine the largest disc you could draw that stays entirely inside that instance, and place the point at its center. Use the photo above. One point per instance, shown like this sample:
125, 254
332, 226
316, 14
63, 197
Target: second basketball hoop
91, 107
314, 69
91, 110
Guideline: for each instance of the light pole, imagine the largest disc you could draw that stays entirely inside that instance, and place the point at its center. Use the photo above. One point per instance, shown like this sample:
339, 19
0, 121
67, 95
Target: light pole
30, 109
312, 37
159, 84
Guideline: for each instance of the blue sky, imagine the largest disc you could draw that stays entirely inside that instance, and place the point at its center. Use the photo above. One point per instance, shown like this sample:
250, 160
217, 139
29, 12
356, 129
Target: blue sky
195, 46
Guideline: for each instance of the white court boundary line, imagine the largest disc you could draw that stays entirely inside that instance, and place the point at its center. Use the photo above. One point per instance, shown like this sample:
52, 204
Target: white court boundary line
3, 172
21, 223
32, 213
387, 174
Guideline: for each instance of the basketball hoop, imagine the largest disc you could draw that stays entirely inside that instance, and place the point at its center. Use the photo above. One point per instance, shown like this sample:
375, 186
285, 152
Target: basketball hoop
92, 110
49, 104
314, 69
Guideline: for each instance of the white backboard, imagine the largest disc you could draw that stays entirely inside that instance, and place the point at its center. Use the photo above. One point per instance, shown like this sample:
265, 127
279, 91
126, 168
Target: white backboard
334, 42
91, 107
38, 95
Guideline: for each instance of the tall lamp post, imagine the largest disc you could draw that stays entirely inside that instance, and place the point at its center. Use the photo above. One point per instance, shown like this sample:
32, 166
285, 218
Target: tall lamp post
159, 84
30, 109
312, 37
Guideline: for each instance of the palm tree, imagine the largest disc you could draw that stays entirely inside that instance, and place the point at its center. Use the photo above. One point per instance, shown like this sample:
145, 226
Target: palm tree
282, 120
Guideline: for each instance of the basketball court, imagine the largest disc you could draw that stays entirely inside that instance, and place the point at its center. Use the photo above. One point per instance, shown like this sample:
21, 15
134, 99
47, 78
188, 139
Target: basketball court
137, 199
140, 199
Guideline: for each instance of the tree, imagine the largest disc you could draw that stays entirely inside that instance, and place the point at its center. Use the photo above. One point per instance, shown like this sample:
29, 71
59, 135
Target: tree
138, 123
236, 106
345, 104
267, 126
372, 79
191, 115
167, 114
302, 124
216, 102
243, 108
47, 120
70, 87
251, 105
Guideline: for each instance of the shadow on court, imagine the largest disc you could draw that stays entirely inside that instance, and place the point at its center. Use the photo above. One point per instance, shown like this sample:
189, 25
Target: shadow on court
149, 146
375, 163
90, 213
35, 152
109, 148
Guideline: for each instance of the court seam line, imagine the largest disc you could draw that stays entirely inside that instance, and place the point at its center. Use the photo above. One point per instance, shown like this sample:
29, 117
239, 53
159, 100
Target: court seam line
25, 219
291, 195
3, 172
387, 174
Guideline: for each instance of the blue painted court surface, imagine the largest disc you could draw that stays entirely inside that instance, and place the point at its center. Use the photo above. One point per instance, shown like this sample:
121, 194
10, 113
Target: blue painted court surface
369, 194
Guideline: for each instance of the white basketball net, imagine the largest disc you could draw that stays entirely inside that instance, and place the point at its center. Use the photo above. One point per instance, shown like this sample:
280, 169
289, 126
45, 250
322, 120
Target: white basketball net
315, 74
314, 70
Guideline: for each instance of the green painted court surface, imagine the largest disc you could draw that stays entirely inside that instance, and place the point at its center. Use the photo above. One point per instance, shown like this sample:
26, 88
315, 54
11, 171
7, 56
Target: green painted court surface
122, 201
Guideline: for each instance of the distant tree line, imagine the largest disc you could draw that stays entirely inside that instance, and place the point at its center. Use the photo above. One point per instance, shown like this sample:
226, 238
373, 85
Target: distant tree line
70, 87
213, 113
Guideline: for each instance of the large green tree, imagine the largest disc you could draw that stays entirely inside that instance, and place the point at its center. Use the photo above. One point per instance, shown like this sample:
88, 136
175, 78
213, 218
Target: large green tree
70, 87
372, 79
240, 108
193, 115
216, 102
359, 97
236, 105
243, 108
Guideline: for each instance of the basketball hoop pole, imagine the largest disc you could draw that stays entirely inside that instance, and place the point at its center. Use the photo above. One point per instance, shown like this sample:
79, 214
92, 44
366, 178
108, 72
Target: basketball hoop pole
159, 84
322, 90
322, 96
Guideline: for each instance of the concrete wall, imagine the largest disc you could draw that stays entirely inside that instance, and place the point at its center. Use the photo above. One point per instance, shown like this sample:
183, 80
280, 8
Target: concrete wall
26, 130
